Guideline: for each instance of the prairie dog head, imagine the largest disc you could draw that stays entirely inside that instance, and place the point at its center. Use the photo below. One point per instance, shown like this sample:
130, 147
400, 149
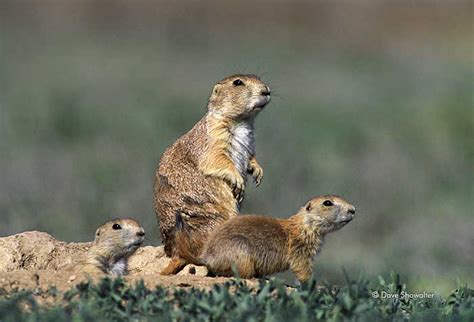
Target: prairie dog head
327, 213
239, 97
119, 238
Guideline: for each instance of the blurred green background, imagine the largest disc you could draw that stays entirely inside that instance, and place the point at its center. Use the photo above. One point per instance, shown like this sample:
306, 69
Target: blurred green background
372, 101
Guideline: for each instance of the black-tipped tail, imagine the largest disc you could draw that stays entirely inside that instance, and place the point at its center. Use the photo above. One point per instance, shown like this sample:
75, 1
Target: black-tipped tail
179, 222
187, 243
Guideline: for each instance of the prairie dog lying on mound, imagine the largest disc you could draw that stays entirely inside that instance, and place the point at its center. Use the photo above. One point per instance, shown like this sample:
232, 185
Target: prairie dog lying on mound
114, 242
256, 246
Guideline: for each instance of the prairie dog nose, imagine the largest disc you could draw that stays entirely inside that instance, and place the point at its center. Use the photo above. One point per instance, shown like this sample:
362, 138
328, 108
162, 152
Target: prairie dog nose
141, 232
351, 210
266, 91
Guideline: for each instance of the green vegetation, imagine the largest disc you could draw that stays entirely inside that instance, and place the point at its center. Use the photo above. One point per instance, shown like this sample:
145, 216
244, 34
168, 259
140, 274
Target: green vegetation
234, 301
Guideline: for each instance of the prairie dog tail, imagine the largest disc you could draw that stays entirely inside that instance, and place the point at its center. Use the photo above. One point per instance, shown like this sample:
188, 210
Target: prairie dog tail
187, 245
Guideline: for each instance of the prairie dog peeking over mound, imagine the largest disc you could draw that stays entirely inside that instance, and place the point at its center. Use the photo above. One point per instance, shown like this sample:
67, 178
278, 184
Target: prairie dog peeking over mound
257, 245
203, 174
114, 242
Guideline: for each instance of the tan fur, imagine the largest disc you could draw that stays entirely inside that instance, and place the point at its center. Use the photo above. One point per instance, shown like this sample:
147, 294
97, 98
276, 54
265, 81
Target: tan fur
175, 265
258, 245
202, 175
112, 247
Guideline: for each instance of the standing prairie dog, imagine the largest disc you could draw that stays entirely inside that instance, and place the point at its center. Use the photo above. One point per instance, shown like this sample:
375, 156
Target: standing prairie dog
257, 245
114, 242
202, 175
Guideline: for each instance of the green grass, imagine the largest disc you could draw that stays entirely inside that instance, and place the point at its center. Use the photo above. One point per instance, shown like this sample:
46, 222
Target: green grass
113, 300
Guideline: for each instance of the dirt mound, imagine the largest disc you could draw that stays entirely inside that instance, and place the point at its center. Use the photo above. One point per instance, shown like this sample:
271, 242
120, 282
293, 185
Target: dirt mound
35, 261
34, 250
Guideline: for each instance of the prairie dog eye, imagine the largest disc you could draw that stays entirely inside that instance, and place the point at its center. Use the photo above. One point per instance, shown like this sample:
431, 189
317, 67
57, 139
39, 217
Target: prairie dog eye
116, 227
328, 203
238, 82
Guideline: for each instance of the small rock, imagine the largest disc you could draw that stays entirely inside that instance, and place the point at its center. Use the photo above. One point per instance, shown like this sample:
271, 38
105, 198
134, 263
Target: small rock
194, 270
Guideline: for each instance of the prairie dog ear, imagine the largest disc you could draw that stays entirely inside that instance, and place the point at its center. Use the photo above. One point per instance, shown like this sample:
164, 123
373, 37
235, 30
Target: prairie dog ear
216, 88
97, 233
